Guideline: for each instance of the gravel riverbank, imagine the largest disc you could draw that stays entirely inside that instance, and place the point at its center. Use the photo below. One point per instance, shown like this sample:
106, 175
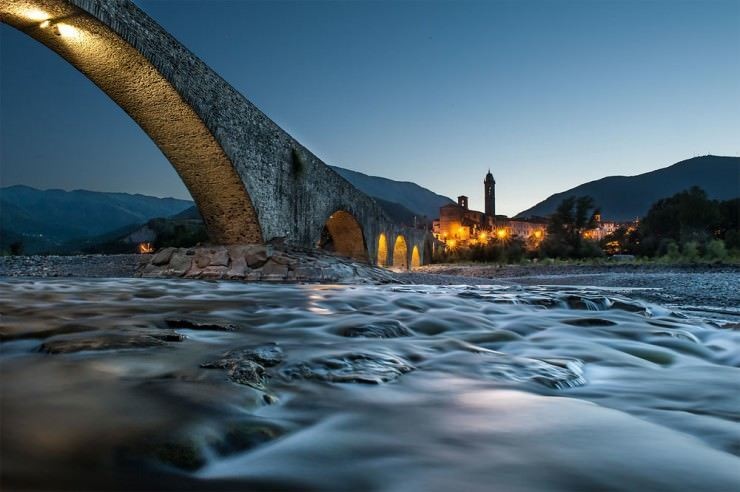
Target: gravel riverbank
692, 287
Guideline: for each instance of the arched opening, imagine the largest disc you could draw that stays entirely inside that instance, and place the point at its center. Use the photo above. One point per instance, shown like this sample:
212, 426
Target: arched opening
342, 234
382, 250
145, 94
415, 258
400, 254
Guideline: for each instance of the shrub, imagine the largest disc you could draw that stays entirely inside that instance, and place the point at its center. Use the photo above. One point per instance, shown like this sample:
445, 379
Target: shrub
691, 250
716, 250
672, 251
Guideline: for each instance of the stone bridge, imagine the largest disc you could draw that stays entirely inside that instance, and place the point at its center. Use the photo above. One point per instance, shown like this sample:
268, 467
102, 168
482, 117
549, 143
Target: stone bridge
251, 181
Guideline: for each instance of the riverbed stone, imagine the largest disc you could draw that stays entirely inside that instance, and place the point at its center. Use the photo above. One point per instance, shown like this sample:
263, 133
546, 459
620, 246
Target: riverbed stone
202, 258
179, 264
247, 366
102, 341
367, 368
274, 271
255, 255
259, 262
162, 257
220, 257
213, 272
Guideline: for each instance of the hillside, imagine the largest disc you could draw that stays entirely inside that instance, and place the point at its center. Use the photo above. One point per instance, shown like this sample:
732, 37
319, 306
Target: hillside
44, 220
626, 197
57, 221
412, 196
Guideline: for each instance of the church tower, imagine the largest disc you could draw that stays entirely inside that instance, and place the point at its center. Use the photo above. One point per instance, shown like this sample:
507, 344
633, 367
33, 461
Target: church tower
490, 194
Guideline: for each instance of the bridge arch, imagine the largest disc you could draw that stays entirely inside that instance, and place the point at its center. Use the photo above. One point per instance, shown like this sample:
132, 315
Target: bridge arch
251, 180
415, 257
382, 250
153, 102
343, 235
400, 253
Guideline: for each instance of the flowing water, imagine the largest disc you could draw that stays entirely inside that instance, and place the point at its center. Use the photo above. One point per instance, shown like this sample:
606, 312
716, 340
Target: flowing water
148, 384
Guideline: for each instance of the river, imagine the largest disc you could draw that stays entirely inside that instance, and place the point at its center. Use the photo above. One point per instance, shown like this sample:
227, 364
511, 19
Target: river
174, 384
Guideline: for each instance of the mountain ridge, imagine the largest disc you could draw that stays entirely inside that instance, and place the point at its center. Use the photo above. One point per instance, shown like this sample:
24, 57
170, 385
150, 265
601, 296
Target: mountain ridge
410, 195
44, 220
719, 176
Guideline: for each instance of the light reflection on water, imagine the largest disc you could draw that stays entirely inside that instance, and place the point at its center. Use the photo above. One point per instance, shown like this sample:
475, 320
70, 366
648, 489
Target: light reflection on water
479, 388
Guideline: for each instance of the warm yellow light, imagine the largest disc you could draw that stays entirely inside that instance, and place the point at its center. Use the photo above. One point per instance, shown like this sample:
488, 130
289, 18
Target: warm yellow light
451, 243
67, 31
45, 24
538, 234
501, 233
146, 248
482, 236
36, 14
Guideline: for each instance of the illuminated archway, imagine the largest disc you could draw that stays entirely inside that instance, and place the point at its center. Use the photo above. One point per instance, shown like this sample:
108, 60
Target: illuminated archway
382, 250
400, 254
142, 91
342, 234
415, 258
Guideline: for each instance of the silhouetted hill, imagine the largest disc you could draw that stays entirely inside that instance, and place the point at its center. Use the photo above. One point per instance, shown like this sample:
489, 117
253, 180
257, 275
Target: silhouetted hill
397, 212
57, 221
626, 197
44, 220
419, 200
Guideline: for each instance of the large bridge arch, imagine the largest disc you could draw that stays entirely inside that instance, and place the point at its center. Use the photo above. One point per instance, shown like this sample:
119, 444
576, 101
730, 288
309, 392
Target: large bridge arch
251, 180
343, 235
121, 70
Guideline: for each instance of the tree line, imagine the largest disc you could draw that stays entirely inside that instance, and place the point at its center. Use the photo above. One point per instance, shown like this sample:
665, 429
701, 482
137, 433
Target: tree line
686, 225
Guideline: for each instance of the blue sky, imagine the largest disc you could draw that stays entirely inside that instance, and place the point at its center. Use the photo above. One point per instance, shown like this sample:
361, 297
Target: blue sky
547, 94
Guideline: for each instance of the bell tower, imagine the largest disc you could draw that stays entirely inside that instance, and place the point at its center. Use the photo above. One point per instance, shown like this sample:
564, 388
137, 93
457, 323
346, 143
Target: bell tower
489, 186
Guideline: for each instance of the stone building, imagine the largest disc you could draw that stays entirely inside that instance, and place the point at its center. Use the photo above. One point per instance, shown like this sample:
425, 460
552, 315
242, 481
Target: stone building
458, 225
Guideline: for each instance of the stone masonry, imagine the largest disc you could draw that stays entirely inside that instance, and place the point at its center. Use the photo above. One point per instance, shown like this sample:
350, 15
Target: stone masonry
251, 180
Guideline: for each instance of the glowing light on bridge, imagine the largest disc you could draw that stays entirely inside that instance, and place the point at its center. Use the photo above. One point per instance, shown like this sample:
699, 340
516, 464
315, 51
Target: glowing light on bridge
501, 234
538, 234
36, 15
67, 31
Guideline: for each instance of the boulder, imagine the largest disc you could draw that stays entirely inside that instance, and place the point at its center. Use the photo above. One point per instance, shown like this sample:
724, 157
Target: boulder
274, 271
163, 256
179, 263
255, 255
220, 257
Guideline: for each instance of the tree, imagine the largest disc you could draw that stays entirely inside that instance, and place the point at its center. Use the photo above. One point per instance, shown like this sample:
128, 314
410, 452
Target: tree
687, 216
566, 226
625, 240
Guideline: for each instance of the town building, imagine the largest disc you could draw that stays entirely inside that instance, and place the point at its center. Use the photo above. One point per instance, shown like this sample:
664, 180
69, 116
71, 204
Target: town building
459, 226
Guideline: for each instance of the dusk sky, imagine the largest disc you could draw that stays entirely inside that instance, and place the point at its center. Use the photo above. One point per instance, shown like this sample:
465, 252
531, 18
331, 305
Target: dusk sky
547, 94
